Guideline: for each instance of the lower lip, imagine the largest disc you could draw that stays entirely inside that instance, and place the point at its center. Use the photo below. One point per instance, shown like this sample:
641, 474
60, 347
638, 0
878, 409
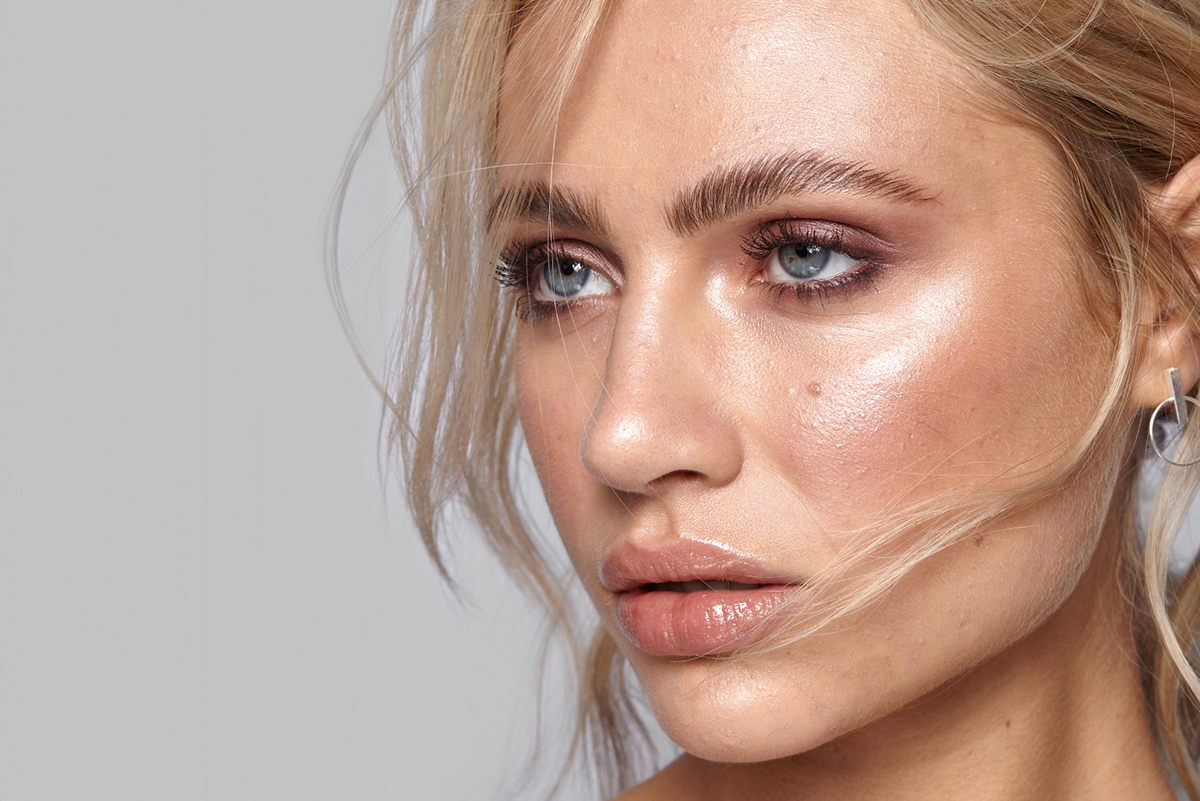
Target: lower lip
698, 623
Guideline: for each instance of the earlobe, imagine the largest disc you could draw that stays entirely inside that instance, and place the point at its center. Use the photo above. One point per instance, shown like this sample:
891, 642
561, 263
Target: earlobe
1172, 334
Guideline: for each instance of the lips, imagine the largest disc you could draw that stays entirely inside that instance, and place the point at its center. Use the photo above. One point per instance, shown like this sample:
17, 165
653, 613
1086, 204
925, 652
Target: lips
690, 598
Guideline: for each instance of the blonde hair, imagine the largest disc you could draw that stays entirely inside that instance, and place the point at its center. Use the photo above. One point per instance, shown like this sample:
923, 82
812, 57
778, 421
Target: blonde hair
1114, 83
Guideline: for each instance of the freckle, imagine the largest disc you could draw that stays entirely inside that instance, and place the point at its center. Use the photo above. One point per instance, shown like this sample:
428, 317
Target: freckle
1008, 724
814, 389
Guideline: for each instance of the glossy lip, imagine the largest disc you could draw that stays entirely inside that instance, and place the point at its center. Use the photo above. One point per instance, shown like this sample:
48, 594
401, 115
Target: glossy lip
629, 566
699, 623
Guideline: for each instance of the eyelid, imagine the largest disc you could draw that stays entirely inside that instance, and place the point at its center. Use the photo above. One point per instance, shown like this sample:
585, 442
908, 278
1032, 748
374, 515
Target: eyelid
519, 252
520, 269
846, 239
873, 257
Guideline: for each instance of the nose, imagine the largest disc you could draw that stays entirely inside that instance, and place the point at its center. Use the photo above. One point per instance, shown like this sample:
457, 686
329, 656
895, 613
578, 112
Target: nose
662, 415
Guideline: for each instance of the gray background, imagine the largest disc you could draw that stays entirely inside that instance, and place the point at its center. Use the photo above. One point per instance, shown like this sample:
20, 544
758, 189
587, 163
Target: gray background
200, 596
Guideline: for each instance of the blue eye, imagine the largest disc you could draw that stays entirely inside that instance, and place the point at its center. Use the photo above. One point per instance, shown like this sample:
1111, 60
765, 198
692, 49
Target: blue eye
798, 261
565, 277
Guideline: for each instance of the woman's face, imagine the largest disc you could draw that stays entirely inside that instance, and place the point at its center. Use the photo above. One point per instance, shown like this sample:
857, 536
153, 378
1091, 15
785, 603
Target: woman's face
789, 280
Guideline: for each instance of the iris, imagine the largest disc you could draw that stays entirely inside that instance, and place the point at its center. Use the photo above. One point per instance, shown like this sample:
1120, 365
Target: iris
565, 277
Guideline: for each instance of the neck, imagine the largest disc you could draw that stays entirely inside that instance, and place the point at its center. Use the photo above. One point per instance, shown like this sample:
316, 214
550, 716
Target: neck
1059, 715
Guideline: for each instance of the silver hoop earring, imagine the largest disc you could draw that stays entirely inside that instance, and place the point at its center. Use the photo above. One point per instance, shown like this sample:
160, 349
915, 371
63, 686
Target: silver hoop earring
1179, 403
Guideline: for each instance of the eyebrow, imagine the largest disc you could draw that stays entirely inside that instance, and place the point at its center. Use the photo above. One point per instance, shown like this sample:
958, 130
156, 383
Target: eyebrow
726, 192
733, 190
537, 201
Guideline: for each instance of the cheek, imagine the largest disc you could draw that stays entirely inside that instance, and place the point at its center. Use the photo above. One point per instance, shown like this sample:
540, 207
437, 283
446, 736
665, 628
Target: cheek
553, 409
558, 381
951, 392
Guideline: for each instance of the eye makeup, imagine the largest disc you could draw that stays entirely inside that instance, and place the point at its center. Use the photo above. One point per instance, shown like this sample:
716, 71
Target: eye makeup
813, 261
549, 276
813, 248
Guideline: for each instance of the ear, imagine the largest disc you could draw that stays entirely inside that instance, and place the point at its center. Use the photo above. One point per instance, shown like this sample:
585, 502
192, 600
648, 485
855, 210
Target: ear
1172, 338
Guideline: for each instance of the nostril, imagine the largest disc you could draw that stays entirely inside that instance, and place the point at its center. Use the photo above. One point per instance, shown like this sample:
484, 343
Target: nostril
642, 452
653, 424
682, 475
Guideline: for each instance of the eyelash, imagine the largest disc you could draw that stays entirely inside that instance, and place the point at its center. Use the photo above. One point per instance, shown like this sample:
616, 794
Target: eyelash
769, 237
517, 271
519, 262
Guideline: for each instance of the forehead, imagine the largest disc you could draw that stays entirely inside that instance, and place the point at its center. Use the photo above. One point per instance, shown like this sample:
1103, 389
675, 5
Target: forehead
669, 90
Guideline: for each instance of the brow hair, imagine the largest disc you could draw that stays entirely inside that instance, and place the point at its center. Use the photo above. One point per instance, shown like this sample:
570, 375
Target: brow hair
732, 190
537, 201
724, 193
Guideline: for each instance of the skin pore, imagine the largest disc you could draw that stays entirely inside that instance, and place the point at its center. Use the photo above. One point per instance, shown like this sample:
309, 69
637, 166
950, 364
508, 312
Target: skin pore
810, 282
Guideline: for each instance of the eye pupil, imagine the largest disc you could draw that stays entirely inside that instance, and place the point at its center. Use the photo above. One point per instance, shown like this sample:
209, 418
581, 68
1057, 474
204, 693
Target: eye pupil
566, 277
803, 261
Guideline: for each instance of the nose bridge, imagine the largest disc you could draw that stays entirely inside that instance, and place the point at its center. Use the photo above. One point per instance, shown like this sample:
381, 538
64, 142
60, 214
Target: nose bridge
659, 413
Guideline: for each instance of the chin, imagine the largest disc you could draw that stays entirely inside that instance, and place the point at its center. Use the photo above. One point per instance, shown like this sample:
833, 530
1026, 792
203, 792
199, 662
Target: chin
885, 672
735, 734
760, 709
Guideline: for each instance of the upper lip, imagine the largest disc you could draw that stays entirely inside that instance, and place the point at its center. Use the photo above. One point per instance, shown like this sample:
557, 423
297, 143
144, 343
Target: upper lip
629, 566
